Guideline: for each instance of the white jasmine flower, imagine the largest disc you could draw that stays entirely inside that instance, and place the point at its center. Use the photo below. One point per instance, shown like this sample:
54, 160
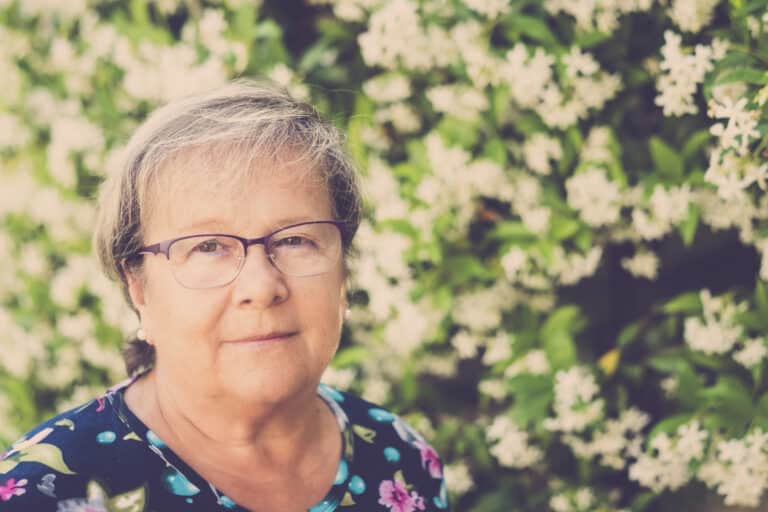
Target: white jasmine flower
395, 36
54, 8
667, 464
471, 43
670, 385
32, 260
489, 8
718, 331
741, 127
648, 226
340, 378
594, 196
579, 63
403, 117
13, 133
671, 205
539, 151
498, 348
614, 442
442, 366
762, 247
752, 353
642, 264
739, 472
77, 327
69, 135
384, 192
534, 362
596, 147
527, 75
460, 101
458, 478
682, 73
376, 390
493, 388
513, 262
571, 268
692, 15
480, 310
511, 445
575, 404
388, 87
466, 344
536, 219
413, 325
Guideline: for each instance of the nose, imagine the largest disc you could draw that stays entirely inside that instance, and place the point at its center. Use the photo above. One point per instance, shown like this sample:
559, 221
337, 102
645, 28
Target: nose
260, 284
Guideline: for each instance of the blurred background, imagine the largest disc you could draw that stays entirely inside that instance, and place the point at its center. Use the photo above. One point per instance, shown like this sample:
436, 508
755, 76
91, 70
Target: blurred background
561, 276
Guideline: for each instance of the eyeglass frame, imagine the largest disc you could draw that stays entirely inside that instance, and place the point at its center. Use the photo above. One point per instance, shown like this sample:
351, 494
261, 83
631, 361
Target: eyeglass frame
164, 247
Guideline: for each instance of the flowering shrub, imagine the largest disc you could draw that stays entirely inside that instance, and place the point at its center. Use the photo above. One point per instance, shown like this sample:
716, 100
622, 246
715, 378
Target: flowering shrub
562, 272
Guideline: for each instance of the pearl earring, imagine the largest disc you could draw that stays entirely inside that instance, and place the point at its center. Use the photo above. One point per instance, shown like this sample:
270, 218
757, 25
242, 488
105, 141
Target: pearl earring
141, 334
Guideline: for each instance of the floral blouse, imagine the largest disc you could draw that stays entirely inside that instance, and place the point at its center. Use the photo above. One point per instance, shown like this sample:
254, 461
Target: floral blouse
100, 457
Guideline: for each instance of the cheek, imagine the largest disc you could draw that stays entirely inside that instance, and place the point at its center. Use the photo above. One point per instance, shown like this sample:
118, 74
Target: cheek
176, 314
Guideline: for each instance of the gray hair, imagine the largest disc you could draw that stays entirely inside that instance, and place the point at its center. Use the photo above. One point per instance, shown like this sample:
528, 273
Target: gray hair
241, 123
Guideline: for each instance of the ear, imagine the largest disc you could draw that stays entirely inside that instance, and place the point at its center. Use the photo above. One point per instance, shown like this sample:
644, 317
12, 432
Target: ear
135, 286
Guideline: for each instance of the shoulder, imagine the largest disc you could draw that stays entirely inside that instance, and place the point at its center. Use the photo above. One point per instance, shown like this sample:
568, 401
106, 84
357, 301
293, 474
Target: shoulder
57, 458
387, 446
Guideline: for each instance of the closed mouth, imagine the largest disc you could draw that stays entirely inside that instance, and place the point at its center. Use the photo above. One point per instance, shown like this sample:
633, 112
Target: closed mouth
260, 338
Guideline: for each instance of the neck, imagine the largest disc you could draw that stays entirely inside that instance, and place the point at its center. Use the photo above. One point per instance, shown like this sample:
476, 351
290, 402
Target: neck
225, 433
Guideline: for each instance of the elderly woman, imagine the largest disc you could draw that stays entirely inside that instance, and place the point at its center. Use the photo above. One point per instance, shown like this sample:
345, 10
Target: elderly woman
229, 228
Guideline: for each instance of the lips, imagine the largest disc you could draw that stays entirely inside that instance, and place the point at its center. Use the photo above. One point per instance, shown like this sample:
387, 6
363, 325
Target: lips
263, 338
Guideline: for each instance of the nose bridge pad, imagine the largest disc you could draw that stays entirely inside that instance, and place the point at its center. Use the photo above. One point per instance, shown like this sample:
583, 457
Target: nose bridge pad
270, 256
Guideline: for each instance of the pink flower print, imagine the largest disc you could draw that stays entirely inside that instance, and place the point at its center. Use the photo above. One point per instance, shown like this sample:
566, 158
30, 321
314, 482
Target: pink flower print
12, 488
430, 460
394, 495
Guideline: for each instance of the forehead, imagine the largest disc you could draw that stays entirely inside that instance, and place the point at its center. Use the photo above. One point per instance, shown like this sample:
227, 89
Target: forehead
249, 198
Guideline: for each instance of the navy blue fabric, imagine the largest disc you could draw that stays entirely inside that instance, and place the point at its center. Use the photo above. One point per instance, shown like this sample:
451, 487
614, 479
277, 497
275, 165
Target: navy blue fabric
101, 457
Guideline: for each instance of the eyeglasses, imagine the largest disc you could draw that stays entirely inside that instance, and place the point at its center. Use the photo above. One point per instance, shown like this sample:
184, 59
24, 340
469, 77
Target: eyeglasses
213, 260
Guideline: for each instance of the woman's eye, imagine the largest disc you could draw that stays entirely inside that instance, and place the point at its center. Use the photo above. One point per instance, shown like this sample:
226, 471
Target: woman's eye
208, 246
294, 241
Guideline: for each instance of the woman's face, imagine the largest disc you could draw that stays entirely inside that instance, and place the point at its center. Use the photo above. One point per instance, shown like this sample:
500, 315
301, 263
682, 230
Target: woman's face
196, 332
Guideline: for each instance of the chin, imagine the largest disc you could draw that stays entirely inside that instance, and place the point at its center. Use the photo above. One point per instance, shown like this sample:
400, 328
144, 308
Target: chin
260, 387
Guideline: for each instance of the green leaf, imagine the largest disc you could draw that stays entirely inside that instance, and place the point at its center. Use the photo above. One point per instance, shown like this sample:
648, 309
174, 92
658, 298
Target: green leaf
695, 143
669, 424
561, 228
590, 39
666, 160
557, 336
748, 75
533, 395
534, 28
730, 401
458, 132
761, 298
688, 227
628, 334
761, 411
496, 151
687, 303
512, 231
244, 22
560, 349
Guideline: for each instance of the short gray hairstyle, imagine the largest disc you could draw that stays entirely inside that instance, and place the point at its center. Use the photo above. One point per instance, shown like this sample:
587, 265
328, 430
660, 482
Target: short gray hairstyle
239, 124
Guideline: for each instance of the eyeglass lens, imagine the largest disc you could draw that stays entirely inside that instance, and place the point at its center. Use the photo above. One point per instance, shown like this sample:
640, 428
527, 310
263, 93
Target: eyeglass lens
208, 261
